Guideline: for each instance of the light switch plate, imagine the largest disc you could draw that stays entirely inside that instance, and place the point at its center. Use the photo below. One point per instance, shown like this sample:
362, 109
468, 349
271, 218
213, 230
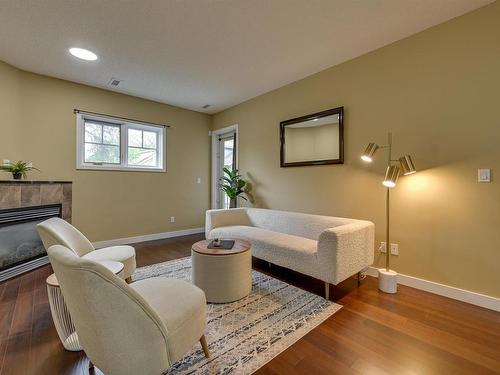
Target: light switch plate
484, 175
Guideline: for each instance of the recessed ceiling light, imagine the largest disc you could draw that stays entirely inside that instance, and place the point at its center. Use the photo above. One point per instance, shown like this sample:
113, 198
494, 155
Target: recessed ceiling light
83, 54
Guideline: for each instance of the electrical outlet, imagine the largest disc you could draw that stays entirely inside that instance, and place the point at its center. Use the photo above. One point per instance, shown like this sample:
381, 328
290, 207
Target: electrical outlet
383, 247
198, 180
394, 249
172, 219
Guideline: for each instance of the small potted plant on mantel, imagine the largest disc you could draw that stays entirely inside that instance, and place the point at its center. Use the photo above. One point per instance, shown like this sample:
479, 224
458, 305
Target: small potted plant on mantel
233, 185
19, 169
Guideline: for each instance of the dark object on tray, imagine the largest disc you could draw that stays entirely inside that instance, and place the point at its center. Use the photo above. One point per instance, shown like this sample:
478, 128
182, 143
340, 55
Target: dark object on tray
221, 244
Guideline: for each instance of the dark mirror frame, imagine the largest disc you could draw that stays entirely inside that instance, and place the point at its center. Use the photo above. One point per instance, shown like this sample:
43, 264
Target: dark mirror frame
329, 112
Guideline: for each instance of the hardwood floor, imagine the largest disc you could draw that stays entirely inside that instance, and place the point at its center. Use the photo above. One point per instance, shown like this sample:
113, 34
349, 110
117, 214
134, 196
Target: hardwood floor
412, 332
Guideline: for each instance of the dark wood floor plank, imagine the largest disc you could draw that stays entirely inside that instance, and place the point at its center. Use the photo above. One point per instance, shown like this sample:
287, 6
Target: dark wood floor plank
6, 315
16, 356
409, 333
23, 314
482, 356
421, 310
396, 347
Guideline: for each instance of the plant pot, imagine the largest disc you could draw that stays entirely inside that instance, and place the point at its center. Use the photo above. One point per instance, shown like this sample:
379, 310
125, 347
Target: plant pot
17, 176
232, 203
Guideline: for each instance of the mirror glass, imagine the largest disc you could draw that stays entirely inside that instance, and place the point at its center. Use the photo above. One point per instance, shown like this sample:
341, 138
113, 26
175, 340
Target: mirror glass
313, 139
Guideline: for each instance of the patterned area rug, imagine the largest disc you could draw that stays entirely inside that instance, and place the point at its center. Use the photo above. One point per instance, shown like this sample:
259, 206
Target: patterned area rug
246, 334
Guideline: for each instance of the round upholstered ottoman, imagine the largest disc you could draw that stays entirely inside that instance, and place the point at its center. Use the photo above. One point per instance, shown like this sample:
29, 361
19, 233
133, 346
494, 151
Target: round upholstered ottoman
224, 275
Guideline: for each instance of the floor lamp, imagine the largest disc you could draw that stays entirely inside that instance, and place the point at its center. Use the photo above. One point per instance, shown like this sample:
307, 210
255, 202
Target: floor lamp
387, 278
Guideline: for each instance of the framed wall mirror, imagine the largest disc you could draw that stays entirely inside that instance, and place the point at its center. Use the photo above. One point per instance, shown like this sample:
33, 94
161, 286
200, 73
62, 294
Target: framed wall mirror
315, 139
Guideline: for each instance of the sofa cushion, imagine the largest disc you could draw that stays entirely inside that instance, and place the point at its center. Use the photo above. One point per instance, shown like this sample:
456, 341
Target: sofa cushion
285, 250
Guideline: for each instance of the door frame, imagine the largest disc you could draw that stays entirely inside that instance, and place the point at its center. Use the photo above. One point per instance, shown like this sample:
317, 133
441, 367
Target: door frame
215, 134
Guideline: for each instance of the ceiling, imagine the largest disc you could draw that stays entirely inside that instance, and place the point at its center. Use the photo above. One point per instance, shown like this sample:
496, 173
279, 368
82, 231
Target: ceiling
190, 53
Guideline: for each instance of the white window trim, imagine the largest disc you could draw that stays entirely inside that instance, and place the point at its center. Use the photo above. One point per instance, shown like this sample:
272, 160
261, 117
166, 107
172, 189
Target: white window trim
124, 125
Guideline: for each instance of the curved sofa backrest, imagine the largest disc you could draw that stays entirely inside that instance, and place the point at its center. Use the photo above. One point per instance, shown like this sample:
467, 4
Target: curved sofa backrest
222, 217
295, 223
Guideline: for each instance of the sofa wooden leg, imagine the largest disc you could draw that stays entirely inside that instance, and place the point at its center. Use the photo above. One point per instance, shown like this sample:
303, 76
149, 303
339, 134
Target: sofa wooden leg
359, 278
204, 345
327, 290
128, 280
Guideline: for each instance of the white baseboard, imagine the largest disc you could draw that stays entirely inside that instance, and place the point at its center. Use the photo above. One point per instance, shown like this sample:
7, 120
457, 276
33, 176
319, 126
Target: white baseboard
147, 237
463, 295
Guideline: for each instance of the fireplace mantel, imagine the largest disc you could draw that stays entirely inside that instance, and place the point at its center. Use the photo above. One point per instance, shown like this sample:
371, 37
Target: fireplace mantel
31, 193
33, 182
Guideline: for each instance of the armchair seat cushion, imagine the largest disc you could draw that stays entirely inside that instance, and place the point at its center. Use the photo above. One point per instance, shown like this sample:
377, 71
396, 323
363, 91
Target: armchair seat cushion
123, 254
278, 248
181, 307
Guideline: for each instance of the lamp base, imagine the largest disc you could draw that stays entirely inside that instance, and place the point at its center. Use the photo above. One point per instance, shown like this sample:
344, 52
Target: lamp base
387, 281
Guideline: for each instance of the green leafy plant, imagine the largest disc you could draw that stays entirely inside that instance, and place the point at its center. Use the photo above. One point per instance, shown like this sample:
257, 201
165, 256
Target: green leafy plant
18, 169
233, 185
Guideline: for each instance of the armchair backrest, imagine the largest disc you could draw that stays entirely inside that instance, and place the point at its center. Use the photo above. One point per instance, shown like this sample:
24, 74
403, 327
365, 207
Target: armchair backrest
56, 231
117, 328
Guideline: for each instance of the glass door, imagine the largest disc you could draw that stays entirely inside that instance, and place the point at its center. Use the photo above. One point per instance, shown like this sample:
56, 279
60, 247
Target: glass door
226, 158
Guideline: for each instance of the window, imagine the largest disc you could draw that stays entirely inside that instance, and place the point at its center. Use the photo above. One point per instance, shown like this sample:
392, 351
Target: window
111, 144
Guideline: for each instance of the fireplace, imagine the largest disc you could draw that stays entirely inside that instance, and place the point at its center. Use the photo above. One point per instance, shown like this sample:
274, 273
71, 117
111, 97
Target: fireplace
20, 246
24, 204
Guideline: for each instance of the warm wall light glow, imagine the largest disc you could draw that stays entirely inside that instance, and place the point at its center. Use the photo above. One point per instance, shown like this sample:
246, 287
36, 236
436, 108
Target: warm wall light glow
366, 158
83, 54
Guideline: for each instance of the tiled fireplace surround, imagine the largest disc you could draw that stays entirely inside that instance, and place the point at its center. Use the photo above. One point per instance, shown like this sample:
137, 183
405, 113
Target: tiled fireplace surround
26, 193
23, 193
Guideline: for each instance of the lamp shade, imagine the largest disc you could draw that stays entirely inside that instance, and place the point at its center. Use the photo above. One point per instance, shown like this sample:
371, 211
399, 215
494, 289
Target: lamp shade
407, 165
391, 176
369, 151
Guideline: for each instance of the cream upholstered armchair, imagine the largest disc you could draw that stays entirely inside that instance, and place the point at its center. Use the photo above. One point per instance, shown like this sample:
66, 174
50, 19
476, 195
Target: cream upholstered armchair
138, 328
56, 231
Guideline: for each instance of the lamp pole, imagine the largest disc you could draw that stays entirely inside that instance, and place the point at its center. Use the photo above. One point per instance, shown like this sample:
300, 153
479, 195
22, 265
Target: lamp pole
387, 206
387, 279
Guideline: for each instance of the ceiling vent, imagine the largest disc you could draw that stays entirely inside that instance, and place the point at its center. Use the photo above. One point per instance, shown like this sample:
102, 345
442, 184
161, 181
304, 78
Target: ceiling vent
114, 82
206, 106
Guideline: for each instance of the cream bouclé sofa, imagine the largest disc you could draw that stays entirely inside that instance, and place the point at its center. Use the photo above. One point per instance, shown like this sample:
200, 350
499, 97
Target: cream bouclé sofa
327, 248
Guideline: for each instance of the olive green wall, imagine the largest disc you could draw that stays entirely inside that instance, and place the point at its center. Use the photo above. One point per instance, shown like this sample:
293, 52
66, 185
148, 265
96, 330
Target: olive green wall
41, 127
438, 92
10, 104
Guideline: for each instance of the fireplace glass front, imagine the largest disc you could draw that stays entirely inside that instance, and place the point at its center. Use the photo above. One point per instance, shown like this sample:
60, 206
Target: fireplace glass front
20, 245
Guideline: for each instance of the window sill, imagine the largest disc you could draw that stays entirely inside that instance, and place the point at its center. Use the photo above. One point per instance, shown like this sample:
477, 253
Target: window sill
119, 169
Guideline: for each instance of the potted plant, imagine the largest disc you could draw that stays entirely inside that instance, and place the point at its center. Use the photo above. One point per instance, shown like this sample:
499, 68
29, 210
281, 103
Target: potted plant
18, 169
233, 185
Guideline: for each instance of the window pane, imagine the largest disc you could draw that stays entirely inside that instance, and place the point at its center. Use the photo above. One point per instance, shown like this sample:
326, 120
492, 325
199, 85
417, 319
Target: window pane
140, 156
228, 153
135, 138
149, 139
111, 135
95, 153
93, 132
